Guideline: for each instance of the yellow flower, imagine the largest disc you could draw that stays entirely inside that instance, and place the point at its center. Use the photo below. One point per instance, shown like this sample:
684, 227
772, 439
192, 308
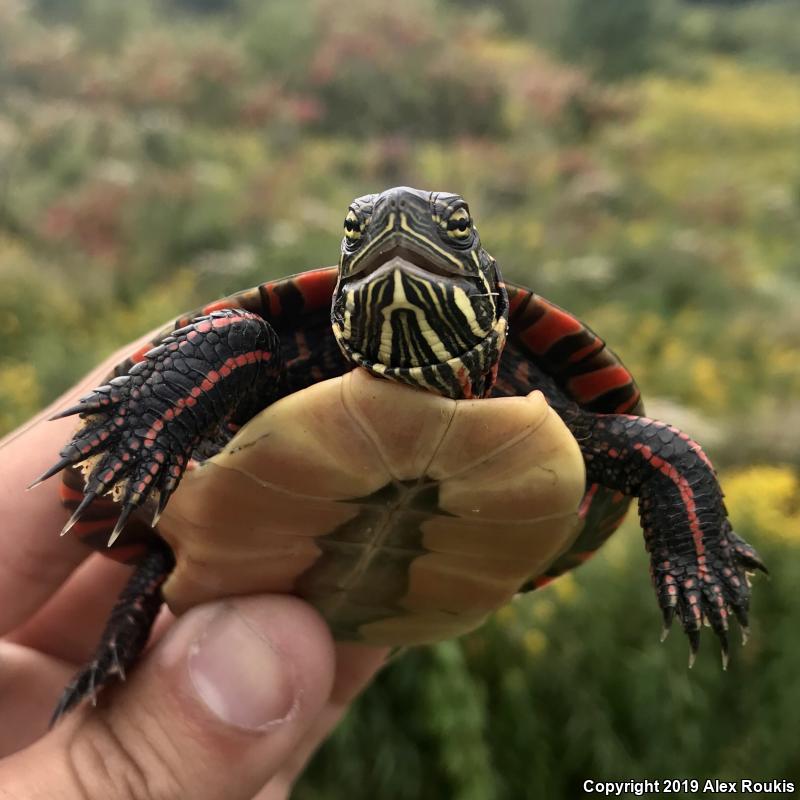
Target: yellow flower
767, 500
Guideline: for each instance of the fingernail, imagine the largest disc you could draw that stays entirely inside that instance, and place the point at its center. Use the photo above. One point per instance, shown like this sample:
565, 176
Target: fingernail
240, 675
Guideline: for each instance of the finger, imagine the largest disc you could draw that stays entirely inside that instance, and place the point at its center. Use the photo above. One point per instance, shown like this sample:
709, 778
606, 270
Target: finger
356, 665
212, 713
34, 560
28, 683
69, 624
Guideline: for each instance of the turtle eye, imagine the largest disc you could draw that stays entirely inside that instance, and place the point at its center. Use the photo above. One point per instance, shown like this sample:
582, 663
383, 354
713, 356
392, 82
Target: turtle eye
353, 227
459, 225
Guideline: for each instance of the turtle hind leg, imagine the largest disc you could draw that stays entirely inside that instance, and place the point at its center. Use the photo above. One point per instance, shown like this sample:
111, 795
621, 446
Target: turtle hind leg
126, 632
141, 429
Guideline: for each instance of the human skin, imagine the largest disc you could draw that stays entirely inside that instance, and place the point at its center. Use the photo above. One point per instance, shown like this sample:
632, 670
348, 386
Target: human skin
229, 701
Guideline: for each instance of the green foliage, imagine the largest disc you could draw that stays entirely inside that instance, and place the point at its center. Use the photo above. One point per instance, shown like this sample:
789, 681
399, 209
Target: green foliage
616, 37
762, 32
153, 156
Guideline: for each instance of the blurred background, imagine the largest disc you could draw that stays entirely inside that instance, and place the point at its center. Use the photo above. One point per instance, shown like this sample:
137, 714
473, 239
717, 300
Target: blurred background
637, 161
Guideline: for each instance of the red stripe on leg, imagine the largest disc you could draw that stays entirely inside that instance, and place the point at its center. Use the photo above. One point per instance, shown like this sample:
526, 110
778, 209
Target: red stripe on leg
685, 490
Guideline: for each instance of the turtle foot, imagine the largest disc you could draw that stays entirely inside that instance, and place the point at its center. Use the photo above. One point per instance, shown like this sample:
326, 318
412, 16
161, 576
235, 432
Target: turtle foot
707, 590
141, 429
126, 632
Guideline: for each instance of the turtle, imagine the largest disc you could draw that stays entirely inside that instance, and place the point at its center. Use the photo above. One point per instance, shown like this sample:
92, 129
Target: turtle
416, 343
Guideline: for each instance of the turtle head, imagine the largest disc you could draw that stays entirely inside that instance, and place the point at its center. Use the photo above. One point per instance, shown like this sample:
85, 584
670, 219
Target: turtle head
418, 299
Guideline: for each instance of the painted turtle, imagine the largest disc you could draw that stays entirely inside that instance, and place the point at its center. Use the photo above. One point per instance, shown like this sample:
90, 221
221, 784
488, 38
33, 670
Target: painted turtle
417, 302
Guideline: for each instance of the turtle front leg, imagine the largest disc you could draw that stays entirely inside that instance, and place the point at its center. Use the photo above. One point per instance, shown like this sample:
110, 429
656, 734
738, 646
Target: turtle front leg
126, 632
698, 563
141, 429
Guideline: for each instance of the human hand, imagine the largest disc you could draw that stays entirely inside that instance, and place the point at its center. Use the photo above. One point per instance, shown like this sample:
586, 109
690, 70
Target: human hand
229, 702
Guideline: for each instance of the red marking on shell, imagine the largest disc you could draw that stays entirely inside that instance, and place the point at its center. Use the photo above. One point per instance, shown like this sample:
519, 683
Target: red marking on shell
317, 287
516, 298
591, 385
584, 352
632, 402
685, 490
69, 495
553, 325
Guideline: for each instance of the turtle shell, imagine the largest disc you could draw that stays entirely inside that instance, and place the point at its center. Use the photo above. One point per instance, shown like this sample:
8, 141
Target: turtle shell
547, 349
403, 516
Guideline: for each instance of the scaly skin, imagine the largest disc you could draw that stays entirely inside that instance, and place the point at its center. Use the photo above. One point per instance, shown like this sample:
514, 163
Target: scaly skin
126, 631
697, 562
188, 392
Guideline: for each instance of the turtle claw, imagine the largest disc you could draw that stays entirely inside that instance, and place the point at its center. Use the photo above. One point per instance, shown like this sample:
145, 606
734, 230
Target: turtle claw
48, 473
668, 614
78, 512
694, 645
78, 408
746, 554
83, 686
121, 520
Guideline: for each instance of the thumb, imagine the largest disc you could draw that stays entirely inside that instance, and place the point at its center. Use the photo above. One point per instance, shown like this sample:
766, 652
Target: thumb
213, 711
